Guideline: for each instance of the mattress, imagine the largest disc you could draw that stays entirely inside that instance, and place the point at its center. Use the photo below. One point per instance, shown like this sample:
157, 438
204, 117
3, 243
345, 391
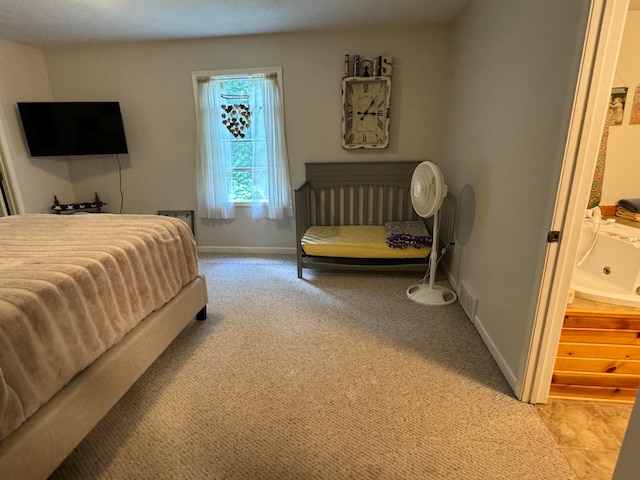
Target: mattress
355, 241
72, 286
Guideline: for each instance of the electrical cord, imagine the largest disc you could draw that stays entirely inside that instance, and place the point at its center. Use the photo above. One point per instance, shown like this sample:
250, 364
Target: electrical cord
596, 217
444, 249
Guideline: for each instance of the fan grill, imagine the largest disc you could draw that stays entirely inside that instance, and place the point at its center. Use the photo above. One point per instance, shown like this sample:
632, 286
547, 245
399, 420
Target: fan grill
427, 189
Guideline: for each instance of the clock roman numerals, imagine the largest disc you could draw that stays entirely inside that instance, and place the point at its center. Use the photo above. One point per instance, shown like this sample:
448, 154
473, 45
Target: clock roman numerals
365, 114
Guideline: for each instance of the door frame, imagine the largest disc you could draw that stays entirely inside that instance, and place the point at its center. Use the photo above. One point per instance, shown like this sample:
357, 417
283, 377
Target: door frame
7, 205
600, 55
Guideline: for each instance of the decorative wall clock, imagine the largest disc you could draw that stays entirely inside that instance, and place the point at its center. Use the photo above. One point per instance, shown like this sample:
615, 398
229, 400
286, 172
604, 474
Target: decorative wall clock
365, 112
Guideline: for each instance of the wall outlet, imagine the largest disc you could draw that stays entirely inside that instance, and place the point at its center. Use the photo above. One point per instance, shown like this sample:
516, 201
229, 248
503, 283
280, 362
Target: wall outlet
468, 300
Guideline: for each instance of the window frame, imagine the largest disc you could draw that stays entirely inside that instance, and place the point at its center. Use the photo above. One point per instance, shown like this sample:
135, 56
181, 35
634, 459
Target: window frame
240, 73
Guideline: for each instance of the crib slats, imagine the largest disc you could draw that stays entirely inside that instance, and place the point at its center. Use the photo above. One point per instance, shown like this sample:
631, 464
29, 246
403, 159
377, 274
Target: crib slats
360, 205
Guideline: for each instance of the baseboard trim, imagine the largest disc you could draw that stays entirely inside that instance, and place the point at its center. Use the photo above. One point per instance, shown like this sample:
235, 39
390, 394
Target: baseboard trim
452, 281
249, 250
445, 270
495, 353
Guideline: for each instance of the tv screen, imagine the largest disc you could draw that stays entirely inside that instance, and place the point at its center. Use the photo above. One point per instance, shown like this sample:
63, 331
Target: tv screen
72, 128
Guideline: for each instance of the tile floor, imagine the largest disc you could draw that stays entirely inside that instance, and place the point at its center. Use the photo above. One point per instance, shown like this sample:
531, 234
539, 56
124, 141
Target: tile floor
589, 434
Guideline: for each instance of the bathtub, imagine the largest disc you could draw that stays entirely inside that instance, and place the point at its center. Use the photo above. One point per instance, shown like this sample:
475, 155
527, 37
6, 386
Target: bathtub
611, 272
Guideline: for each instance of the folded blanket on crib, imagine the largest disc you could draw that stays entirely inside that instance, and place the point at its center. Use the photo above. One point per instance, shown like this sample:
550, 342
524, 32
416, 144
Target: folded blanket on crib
631, 204
624, 213
407, 234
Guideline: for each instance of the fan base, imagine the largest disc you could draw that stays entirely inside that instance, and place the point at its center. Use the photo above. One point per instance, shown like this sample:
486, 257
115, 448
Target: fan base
431, 295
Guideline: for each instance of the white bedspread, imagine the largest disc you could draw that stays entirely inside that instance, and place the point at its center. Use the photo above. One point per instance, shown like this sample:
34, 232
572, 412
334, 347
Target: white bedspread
71, 286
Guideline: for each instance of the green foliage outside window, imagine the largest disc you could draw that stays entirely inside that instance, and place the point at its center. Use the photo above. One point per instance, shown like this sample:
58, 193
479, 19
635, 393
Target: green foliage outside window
241, 186
241, 151
241, 178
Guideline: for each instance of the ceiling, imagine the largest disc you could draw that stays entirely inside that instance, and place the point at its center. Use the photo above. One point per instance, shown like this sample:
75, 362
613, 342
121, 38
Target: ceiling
56, 22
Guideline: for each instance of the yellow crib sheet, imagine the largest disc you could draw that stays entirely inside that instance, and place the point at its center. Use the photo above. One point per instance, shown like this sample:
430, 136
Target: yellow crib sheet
355, 241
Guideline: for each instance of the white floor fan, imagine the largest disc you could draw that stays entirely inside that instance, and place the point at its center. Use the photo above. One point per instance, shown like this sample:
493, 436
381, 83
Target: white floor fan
427, 193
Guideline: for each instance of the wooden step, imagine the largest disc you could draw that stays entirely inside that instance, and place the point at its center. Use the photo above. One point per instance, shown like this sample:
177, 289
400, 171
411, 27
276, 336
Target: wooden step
579, 392
615, 380
596, 335
629, 322
599, 365
598, 354
591, 350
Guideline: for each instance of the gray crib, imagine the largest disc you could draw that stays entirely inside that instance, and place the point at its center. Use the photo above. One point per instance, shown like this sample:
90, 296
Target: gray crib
354, 193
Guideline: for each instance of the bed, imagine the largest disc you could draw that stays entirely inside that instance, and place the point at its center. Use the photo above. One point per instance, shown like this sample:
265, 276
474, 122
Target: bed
87, 303
342, 211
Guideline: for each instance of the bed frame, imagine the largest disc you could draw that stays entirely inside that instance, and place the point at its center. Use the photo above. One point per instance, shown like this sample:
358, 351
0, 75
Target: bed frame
354, 193
40, 444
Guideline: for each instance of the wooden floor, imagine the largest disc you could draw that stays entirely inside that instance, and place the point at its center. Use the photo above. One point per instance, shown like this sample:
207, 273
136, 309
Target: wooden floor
599, 353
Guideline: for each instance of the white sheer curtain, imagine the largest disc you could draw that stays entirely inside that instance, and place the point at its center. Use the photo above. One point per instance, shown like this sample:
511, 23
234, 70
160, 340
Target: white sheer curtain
273, 160
270, 168
214, 156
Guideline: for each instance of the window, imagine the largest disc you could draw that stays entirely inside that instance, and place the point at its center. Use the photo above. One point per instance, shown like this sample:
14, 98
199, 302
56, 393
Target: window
241, 144
236, 115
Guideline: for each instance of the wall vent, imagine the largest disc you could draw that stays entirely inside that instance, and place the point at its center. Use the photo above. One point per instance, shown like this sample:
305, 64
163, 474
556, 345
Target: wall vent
468, 300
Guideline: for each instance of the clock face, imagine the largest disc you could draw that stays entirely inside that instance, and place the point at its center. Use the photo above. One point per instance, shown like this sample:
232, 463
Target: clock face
365, 117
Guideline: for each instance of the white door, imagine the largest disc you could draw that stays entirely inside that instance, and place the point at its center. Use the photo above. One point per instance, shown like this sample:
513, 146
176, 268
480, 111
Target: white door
602, 44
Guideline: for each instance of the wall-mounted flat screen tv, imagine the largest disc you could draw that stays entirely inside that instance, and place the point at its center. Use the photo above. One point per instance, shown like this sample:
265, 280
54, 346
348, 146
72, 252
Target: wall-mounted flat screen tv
72, 128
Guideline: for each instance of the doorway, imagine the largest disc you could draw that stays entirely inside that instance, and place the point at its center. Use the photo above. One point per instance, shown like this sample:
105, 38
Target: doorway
602, 44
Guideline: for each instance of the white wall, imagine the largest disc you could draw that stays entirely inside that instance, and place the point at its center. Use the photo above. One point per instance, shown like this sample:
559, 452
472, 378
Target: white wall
515, 66
34, 181
152, 80
623, 147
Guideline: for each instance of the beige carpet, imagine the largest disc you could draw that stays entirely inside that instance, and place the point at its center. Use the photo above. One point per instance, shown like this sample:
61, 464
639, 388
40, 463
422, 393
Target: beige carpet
333, 377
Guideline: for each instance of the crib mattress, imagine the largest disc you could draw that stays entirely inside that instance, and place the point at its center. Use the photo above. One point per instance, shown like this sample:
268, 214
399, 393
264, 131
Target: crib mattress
355, 241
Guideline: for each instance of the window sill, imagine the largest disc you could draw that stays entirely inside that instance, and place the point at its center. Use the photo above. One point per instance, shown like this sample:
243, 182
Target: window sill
245, 204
